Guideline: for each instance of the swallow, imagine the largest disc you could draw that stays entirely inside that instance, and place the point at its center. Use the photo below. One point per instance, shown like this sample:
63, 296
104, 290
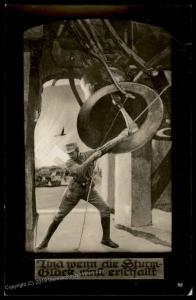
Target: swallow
62, 133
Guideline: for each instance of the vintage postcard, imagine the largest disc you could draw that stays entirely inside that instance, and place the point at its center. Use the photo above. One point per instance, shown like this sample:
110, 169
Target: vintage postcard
102, 198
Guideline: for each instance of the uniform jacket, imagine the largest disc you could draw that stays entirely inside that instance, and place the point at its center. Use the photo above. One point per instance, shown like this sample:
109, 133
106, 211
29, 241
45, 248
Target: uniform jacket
81, 175
82, 172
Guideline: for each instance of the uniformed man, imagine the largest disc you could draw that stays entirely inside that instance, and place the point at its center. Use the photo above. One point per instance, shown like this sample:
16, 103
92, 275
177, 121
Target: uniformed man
80, 167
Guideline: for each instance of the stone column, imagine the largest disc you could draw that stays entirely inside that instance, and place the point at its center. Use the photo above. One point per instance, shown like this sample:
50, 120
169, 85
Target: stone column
133, 188
161, 173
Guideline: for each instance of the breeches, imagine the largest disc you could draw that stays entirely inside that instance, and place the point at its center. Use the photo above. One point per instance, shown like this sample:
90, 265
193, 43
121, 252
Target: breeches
71, 198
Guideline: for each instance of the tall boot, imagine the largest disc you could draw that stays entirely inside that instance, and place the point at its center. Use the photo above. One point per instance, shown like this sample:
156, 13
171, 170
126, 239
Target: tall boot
105, 222
53, 226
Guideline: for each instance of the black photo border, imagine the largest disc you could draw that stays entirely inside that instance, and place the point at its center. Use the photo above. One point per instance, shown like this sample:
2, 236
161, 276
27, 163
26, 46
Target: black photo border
19, 264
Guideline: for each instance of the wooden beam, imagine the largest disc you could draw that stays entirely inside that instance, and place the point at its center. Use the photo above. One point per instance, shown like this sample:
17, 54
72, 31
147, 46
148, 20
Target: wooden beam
161, 177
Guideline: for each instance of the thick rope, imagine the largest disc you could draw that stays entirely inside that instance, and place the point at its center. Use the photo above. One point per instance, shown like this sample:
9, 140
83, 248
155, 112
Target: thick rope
89, 190
85, 213
98, 54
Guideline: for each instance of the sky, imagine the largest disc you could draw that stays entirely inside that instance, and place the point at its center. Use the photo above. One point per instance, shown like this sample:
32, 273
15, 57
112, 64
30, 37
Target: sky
59, 109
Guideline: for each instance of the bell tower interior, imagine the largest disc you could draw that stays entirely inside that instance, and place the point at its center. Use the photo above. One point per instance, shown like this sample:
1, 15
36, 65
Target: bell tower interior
72, 71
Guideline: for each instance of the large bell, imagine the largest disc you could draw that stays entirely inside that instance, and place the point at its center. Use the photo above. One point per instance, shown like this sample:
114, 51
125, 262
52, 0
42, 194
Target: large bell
99, 120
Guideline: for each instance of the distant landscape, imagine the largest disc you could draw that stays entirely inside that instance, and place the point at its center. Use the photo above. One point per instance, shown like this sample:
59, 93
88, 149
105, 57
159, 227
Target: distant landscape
50, 176
56, 176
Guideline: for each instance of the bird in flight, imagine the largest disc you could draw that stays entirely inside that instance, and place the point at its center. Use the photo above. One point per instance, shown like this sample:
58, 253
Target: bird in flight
62, 133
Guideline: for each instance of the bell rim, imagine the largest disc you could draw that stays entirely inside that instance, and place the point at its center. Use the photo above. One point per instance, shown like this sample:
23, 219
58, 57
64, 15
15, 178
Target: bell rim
137, 139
